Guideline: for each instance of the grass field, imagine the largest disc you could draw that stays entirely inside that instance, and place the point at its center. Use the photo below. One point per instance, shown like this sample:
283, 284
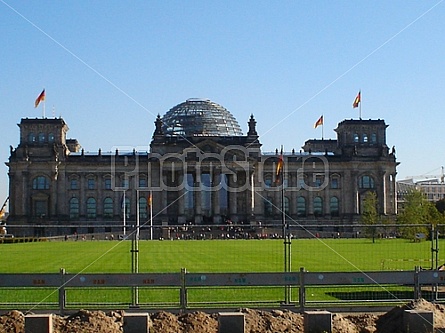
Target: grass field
202, 256
215, 255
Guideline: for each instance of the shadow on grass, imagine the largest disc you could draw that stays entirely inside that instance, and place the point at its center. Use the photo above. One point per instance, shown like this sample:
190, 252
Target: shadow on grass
383, 295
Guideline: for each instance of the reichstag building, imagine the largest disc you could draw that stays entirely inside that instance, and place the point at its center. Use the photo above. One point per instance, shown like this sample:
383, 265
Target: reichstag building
198, 169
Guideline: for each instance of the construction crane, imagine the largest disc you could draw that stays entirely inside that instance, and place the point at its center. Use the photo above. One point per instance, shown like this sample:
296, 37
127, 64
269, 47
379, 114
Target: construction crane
431, 175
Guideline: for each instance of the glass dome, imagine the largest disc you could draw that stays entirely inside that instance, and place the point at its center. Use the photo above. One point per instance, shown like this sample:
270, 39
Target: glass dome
200, 117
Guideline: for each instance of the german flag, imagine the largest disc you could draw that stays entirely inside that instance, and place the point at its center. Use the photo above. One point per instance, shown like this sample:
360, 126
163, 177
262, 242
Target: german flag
40, 98
357, 100
280, 166
150, 200
318, 122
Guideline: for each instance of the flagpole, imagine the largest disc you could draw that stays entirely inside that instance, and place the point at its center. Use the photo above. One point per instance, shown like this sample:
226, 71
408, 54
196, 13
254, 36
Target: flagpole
125, 213
151, 215
322, 129
360, 106
286, 233
44, 104
135, 252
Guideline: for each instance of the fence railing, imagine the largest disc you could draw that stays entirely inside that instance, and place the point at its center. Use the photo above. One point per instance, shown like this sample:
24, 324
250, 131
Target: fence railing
182, 291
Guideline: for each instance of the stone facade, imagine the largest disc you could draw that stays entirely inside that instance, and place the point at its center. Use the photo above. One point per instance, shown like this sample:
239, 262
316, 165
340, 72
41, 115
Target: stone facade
57, 188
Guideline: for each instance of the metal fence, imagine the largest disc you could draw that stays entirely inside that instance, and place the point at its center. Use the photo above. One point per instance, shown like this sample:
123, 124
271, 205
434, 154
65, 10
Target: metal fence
345, 265
147, 291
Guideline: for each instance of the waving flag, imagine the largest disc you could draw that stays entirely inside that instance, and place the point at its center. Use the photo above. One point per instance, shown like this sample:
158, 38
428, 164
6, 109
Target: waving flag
280, 166
318, 122
40, 98
357, 100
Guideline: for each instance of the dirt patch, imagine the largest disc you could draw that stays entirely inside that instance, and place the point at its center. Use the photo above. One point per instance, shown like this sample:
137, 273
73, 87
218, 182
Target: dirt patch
257, 321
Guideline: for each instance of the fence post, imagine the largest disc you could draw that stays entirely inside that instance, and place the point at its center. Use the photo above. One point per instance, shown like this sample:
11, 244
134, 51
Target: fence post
302, 291
183, 291
417, 290
62, 292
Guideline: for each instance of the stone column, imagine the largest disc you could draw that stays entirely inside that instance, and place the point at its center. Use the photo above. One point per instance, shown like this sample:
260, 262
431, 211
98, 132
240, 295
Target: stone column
250, 200
385, 191
232, 195
181, 204
293, 194
164, 201
327, 198
197, 197
216, 184
25, 207
82, 199
355, 195
310, 203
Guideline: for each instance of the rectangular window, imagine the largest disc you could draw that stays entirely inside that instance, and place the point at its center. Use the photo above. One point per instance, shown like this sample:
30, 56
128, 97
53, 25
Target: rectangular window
319, 179
334, 182
108, 183
40, 208
142, 182
74, 185
91, 184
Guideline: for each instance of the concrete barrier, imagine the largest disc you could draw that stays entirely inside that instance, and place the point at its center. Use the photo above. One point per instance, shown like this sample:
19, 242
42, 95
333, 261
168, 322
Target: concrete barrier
231, 322
39, 323
317, 322
419, 321
136, 323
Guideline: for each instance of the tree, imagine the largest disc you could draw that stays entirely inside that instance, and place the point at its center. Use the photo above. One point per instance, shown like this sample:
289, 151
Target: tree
370, 216
418, 214
440, 205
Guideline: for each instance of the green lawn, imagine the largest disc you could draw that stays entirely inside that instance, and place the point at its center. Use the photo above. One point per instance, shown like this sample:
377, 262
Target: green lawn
201, 256
215, 255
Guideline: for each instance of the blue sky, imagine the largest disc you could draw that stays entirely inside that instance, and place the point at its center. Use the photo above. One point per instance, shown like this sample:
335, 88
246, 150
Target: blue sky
109, 67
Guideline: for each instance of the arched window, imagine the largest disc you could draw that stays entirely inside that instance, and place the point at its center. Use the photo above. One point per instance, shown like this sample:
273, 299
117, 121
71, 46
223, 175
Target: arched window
268, 207
318, 206
301, 206
41, 137
51, 137
31, 137
365, 138
108, 207
334, 207
143, 208
356, 138
91, 208
40, 183
373, 138
366, 182
74, 208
